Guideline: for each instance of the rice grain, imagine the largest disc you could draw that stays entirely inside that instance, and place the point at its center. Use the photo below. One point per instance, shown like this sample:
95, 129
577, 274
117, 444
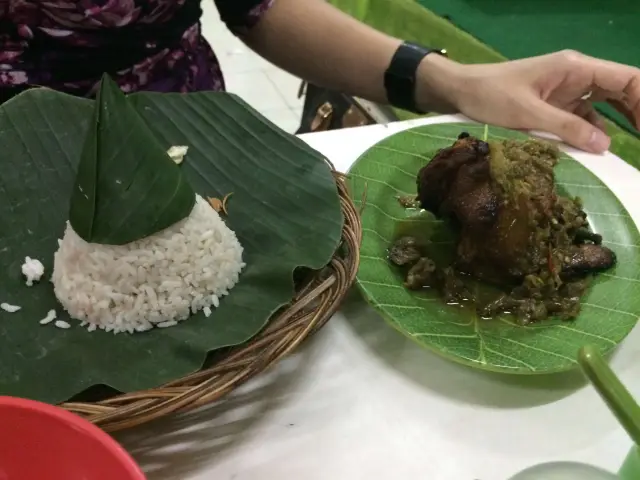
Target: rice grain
7, 307
32, 269
62, 324
51, 316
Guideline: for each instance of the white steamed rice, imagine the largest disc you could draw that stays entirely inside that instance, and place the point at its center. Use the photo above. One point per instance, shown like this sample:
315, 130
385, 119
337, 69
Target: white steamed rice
157, 281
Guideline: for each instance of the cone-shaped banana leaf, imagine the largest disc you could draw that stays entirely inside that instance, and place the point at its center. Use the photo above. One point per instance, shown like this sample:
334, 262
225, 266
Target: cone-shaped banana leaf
284, 209
610, 308
127, 187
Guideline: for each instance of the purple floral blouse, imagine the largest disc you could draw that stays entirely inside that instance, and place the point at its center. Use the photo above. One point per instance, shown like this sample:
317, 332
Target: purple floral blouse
150, 45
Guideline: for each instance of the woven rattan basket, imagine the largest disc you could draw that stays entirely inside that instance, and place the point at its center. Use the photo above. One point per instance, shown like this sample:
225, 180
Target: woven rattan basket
317, 298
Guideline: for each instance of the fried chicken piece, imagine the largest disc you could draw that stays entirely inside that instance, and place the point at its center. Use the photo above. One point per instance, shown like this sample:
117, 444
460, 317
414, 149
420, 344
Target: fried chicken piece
502, 199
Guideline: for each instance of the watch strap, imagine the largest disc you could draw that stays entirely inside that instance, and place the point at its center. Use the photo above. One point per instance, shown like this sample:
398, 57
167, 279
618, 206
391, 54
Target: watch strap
400, 77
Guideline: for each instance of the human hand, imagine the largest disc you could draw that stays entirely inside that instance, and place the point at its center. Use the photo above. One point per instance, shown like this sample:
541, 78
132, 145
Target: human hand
552, 93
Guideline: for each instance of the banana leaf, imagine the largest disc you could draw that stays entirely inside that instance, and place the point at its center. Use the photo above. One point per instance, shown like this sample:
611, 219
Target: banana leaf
127, 187
609, 310
285, 211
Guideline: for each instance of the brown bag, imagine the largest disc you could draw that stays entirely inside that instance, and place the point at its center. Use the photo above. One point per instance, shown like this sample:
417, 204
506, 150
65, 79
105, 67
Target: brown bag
325, 109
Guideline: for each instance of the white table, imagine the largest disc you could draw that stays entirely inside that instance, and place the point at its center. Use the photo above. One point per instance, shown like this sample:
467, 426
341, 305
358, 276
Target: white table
360, 401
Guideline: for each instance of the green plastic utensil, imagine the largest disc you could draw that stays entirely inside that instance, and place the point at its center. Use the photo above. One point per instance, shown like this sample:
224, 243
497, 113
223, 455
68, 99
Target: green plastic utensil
631, 468
611, 389
619, 401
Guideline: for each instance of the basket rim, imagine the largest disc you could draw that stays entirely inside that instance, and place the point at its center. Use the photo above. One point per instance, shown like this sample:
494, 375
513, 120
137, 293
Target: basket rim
315, 301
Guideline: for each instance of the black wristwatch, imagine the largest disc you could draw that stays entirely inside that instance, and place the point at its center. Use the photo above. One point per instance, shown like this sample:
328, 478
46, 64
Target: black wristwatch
400, 77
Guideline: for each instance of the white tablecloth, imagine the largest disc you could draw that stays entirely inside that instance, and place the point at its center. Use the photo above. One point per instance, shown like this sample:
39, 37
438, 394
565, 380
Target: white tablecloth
360, 401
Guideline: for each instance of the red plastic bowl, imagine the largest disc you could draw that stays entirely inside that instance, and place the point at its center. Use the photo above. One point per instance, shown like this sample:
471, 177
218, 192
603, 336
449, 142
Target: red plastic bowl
40, 441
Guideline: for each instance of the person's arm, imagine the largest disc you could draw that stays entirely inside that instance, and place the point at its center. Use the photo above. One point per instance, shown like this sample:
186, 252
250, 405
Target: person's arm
319, 43
552, 92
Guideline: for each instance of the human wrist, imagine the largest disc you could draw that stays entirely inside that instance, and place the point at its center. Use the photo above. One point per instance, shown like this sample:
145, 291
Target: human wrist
438, 83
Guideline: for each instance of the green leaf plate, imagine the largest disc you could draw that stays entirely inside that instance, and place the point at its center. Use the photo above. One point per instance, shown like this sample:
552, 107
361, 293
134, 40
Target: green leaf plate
284, 209
609, 310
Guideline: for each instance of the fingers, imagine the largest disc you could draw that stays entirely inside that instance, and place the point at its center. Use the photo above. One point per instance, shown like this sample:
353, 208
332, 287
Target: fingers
619, 101
586, 110
622, 107
629, 101
622, 81
570, 127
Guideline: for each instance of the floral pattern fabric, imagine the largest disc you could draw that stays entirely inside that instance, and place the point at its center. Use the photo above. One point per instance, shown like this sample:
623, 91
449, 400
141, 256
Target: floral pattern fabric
52, 42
